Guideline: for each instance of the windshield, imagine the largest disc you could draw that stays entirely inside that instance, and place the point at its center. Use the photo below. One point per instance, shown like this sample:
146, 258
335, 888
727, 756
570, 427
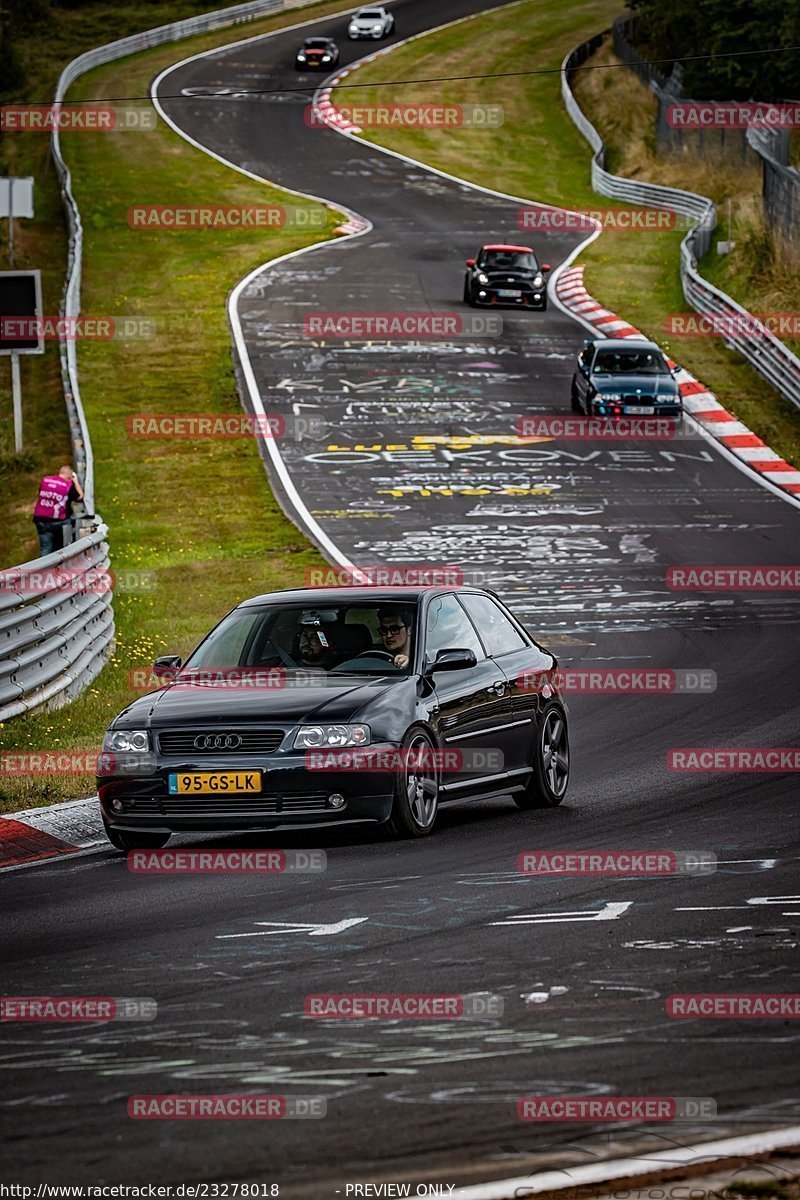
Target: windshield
361, 638
316, 44
630, 362
369, 14
502, 260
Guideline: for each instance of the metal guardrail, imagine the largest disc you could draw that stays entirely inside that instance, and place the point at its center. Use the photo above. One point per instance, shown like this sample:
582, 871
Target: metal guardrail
766, 353
54, 639
56, 625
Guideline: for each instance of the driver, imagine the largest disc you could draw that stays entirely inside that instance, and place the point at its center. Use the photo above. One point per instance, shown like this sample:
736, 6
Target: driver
394, 626
315, 648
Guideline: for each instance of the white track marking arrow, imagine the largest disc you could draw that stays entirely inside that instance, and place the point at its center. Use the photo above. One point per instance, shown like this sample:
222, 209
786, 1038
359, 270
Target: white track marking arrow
609, 912
313, 930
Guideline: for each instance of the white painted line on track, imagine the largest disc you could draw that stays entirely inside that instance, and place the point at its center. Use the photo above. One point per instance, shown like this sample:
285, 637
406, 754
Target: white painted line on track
626, 1168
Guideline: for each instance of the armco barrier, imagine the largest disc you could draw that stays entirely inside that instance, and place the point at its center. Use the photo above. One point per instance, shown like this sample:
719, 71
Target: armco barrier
53, 642
770, 357
53, 646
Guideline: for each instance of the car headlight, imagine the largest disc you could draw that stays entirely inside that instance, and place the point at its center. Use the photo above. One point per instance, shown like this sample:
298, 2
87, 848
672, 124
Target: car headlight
483, 278
354, 28
538, 281
132, 741
312, 737
377, 28
326, 58
609, 395
301, 58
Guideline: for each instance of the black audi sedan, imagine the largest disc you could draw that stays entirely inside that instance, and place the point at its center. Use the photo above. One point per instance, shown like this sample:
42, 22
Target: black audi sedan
339, 704
506, 275
617, 377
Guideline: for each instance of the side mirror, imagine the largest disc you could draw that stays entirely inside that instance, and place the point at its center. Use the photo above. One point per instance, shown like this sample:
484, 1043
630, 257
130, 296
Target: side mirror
453, 660
675, 370
470, 262
166, 668
545, 268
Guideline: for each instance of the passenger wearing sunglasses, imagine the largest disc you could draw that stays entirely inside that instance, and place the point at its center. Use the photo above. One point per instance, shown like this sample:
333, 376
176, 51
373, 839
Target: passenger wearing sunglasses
394, 626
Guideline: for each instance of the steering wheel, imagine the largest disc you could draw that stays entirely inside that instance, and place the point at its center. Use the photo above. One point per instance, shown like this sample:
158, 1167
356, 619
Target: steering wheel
376, 654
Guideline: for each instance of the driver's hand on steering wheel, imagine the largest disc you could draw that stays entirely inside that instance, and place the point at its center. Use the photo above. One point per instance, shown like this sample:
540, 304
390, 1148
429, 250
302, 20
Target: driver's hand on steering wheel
400, 661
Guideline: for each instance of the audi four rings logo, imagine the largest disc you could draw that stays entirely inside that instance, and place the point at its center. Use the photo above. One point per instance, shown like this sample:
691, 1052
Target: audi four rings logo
217, 741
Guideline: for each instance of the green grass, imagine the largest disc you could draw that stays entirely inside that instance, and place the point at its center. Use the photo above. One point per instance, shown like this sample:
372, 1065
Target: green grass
539, 154
199, 513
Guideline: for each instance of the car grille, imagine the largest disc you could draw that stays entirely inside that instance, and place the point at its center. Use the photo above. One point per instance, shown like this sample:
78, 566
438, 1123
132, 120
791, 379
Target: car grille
235, 806
632, 398
254, 741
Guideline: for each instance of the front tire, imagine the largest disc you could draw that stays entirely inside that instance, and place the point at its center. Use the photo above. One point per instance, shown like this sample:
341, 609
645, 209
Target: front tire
576, 404
416, 793
469, 298
122, 839
549, 778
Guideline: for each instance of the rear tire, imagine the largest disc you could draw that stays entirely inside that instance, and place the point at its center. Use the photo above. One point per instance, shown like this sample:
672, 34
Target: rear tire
549, 779
416, 793
122, 839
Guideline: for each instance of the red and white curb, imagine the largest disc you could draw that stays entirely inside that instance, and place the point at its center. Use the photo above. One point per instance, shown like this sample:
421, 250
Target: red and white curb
44, 833
329, 114
697, 400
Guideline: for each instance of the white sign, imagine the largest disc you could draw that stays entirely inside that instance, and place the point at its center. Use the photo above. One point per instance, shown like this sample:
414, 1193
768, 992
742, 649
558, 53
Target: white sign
18, 192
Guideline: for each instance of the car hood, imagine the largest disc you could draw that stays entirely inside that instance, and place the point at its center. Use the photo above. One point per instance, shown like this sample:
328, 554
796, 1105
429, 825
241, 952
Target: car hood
366, 22
335, 698
649, 385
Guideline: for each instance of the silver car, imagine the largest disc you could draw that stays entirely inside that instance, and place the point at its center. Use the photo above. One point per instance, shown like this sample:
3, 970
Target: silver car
374, 22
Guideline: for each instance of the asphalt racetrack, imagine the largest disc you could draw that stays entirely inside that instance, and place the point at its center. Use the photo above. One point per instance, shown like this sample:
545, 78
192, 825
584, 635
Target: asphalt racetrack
579, 537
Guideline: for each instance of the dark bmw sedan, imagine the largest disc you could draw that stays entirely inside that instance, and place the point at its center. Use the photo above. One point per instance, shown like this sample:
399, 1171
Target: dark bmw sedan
618, 377
341, 704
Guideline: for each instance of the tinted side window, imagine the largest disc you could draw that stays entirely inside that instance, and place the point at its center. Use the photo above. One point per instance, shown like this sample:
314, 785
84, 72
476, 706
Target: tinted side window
497, 632
447, 628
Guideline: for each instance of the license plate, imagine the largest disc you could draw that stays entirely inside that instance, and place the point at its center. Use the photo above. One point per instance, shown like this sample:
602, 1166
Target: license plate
214, 782
640, 410
509, 293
